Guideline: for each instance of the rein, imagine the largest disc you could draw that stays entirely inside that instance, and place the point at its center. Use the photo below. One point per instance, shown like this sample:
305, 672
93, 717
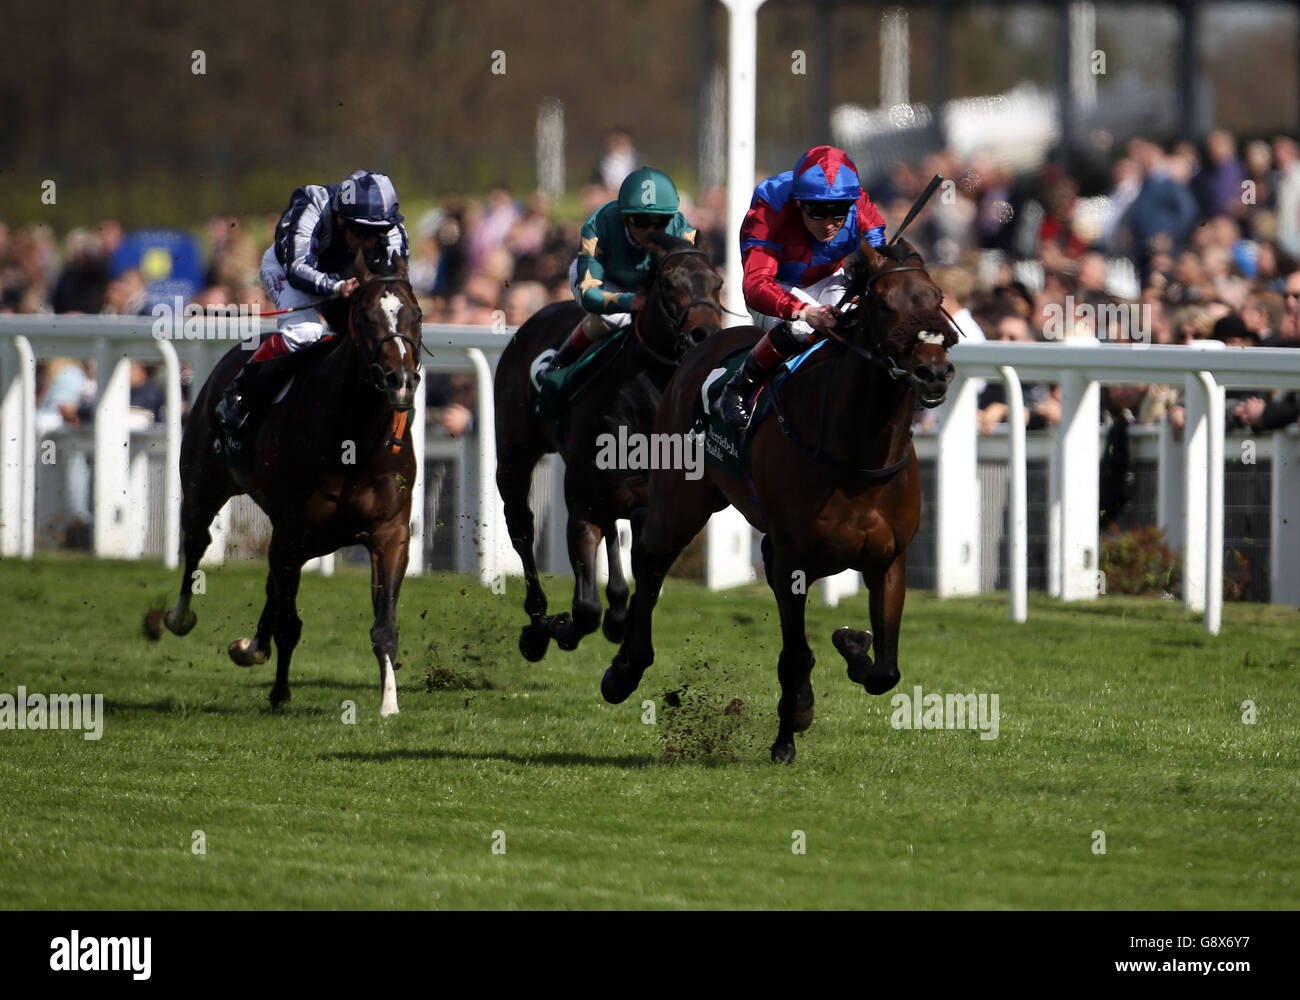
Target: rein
886, 363
674, 322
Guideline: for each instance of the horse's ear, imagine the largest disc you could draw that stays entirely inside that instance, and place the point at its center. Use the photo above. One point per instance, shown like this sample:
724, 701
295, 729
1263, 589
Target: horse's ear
872, 258
700, 241
363, 270
400, 269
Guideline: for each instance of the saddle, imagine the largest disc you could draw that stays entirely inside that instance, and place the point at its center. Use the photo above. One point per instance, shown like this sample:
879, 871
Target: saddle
726, 446
272, 382
553, 395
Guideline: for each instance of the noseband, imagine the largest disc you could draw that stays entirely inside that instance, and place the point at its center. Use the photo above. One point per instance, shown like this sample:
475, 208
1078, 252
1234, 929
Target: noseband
378, 374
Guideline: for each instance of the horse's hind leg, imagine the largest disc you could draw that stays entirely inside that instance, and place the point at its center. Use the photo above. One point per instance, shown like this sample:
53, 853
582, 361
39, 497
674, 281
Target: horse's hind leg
389, 551
794, 667
584, 543
888, 587
199, 506
514, 477
614, 624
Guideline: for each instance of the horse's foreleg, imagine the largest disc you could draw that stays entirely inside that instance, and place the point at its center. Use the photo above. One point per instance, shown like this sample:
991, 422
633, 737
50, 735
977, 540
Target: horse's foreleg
584, 543
286, 573
614, 624
659, 533
389, 550
513, 481
257, 650
789, 584
888, 588
197, 511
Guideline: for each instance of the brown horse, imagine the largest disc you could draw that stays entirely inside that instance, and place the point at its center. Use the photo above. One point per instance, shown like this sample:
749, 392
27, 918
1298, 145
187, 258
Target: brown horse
332, 465
681, 309
833, 480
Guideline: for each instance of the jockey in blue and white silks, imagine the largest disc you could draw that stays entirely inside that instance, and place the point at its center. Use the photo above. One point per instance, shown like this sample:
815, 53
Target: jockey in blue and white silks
314, 258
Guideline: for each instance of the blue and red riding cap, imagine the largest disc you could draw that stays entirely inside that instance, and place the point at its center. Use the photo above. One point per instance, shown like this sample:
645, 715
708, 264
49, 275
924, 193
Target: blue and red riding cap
825, 173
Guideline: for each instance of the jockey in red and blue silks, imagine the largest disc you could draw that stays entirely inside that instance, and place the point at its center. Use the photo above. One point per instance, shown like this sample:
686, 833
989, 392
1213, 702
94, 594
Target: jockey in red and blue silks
799, 228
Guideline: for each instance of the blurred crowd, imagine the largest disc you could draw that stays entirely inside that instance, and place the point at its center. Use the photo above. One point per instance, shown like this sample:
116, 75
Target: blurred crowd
1204, 241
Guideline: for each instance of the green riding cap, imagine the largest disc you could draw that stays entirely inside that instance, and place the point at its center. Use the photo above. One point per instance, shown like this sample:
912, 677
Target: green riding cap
647, 191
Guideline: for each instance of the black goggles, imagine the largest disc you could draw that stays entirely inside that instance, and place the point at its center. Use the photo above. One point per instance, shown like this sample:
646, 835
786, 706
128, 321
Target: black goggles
649, 221
821, 210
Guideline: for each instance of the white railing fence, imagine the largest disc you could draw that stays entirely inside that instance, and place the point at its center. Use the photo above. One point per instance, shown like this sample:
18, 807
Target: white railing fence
1190, 507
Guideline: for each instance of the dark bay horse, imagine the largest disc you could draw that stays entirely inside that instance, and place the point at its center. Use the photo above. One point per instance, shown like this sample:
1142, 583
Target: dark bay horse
834, 485
681, 309
332, 465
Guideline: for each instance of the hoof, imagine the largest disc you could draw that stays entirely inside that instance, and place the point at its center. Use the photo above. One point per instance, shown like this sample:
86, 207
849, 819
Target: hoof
614, 625
246, 653
880, 681
180, 626
619, 681
279, 698
533, 641
562, 632
783, 753
854, 645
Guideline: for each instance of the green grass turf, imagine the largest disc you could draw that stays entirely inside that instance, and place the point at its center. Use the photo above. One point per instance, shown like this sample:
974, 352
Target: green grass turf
1121, 716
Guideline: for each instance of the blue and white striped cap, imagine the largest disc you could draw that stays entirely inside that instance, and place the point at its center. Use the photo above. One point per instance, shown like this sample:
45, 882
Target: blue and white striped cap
368, 198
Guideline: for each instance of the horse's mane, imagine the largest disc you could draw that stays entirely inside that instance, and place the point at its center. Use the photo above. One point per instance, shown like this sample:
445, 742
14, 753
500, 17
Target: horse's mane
664, 241
901, 336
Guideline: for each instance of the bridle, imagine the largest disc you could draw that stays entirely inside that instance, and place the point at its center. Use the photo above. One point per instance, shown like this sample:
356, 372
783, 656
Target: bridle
378, 374
674, 322
883, 361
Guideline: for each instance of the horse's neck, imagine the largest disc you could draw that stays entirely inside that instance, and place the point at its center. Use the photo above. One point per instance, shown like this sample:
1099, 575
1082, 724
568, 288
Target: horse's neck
647, 336
868, 414
354, 409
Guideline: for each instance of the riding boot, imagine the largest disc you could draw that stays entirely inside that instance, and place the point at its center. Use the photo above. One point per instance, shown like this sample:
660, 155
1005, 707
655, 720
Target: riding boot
245, 398
591, 329
736, 404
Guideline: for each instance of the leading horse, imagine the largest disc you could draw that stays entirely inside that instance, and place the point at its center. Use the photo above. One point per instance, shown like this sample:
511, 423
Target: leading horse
331, 465
833, 481
681, 309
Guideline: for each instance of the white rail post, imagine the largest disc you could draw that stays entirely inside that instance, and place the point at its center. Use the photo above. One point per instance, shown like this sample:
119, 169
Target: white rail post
1196, 433
1078, 449
730, 538
728, 548
1214, 415
957, 511
415, 563
171, 543
1019, 518
492, 522
112, 452
1285, 540
18, 452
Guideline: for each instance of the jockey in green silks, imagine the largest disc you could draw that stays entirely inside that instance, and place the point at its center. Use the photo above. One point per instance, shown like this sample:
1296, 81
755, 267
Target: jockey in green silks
609, 274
